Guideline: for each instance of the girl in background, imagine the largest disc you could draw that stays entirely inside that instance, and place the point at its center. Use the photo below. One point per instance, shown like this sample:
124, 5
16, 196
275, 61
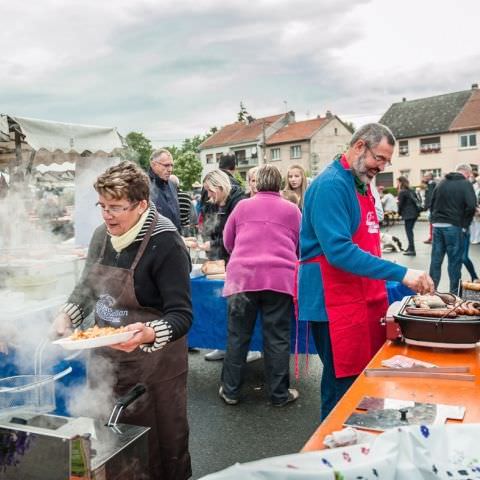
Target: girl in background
296, 181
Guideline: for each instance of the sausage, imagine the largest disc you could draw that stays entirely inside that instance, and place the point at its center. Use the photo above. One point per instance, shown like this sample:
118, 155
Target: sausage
471, 286
431, 312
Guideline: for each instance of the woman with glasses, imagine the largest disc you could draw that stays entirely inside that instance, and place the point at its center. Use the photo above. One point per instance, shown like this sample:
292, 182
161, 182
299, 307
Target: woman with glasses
137, 276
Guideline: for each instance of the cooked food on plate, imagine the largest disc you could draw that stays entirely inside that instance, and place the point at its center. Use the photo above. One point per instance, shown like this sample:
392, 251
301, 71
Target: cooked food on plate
95, 332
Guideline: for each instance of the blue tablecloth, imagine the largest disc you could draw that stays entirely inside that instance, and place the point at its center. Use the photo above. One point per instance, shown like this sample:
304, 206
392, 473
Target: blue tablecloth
209, 329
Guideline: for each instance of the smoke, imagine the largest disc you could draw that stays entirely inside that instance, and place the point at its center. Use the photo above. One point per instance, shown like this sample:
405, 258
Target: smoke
96, 398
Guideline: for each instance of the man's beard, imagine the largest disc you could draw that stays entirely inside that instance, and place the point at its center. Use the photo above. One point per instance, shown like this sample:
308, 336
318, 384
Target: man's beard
366, 175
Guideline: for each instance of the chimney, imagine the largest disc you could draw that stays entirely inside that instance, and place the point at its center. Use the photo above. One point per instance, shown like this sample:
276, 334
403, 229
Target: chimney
474, 86
328, 114
404, 99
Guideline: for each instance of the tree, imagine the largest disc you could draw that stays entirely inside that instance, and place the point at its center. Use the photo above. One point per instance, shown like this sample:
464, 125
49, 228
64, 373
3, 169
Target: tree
139, 148
188, 168
350, 126
242, 114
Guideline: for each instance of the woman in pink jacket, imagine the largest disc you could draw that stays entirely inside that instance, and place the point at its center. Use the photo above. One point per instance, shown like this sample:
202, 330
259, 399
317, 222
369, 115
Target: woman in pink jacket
262, 236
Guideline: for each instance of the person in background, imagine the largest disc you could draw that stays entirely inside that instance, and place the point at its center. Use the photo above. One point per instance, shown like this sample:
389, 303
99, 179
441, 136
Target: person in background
408, 210
251, 181
223, 196
296, 181
453, 207
389, 205
378, 203
188, 215
430, 185
137, 276
341, 281
475, 226
163, 192
262, 236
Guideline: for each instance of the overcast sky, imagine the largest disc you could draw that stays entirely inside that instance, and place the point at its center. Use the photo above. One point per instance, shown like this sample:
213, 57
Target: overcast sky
173, 69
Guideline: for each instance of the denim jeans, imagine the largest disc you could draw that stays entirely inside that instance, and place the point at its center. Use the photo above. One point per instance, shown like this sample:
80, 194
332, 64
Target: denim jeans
332, 388
449, 240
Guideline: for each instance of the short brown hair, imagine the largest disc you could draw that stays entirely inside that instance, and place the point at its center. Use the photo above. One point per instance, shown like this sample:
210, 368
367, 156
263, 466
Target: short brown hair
269, 178
125, 180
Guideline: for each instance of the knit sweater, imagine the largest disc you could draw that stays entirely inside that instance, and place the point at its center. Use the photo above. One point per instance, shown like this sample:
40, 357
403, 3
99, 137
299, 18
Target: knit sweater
331, 216
262, 235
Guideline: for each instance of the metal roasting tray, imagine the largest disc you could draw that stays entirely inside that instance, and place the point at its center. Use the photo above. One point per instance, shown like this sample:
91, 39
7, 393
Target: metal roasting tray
459, 332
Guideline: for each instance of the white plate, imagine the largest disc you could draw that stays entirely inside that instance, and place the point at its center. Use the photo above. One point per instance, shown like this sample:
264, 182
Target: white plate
96, 342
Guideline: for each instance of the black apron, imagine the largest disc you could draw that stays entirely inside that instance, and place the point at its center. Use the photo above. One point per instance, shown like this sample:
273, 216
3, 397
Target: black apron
164, 372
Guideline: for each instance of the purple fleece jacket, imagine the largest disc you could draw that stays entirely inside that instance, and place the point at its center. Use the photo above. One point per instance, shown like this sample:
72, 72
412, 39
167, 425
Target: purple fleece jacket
262, 236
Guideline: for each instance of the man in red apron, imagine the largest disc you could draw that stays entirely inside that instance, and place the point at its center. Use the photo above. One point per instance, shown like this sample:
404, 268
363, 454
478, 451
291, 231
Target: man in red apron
341, 281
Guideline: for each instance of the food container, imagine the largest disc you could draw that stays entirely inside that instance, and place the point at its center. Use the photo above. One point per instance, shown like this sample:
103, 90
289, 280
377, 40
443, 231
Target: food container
459, 332
29, 393
35, 287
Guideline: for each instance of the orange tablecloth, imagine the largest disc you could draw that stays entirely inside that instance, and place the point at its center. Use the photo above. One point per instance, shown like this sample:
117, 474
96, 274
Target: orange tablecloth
454, 392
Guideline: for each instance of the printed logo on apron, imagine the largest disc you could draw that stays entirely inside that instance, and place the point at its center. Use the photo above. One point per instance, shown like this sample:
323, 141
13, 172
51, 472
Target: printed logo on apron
372, 223
104, 310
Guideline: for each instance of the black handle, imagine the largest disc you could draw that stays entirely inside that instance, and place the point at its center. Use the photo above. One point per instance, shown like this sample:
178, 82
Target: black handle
131, 396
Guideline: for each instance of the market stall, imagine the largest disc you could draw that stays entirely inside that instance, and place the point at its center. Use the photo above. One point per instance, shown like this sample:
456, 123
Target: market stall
37, 269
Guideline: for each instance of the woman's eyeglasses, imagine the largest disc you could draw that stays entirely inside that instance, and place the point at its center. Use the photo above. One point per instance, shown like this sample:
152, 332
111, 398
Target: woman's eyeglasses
115, 210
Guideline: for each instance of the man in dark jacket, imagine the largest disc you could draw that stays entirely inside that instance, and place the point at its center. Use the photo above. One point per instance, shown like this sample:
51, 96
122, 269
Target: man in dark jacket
429, 188
163, 192
452, 209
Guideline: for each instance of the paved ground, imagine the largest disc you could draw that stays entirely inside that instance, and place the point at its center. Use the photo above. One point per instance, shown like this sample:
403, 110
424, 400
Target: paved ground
222, 435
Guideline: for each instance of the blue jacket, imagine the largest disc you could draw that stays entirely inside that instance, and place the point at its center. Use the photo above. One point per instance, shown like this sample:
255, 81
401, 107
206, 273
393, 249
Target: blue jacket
164, 195
331, 215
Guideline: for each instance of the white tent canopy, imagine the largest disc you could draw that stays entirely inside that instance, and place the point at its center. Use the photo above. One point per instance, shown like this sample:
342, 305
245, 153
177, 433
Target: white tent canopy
54, 142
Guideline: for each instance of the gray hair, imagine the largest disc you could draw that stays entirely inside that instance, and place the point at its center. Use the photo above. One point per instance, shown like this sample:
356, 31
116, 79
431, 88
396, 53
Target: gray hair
251, 173
217, 179
372, 134
463, 167
269, 178
157, 153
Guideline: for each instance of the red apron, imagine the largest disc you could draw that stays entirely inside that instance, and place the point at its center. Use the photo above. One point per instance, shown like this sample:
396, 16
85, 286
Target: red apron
355, 304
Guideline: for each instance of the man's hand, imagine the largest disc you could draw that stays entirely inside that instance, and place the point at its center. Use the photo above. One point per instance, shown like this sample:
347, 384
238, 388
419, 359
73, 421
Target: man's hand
205, 246
419, 281
144, 335
61, 326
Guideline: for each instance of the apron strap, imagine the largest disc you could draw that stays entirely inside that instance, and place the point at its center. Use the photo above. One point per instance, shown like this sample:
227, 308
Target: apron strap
104, 246
145, 241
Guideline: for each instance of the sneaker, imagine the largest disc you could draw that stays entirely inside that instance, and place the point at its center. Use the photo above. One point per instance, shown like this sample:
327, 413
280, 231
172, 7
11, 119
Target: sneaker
253, 356
428, 241
292, 396
227, 400
215, 355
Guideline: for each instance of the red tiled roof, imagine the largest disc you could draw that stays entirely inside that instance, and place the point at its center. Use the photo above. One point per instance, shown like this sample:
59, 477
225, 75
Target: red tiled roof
239, 132
469, 116
297, 131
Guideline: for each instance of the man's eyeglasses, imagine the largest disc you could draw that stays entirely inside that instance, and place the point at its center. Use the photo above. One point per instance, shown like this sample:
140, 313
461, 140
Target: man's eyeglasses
166, 165
115, 210
379, 158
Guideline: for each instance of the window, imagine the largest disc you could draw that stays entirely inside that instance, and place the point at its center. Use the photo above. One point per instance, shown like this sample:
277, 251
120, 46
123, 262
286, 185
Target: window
405, 173
209, 157
336, 130
436, 172
296, 151
241, 158
274, 154
403, 147
468, 140
218, 155
430, 145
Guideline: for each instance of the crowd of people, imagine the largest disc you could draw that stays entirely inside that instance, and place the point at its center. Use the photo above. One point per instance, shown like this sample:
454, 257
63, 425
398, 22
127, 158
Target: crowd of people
287, 248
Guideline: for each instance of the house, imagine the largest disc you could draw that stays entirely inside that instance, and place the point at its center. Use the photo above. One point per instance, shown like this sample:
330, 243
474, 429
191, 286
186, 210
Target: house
280, 139
246, 139
433, 134
310, 143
